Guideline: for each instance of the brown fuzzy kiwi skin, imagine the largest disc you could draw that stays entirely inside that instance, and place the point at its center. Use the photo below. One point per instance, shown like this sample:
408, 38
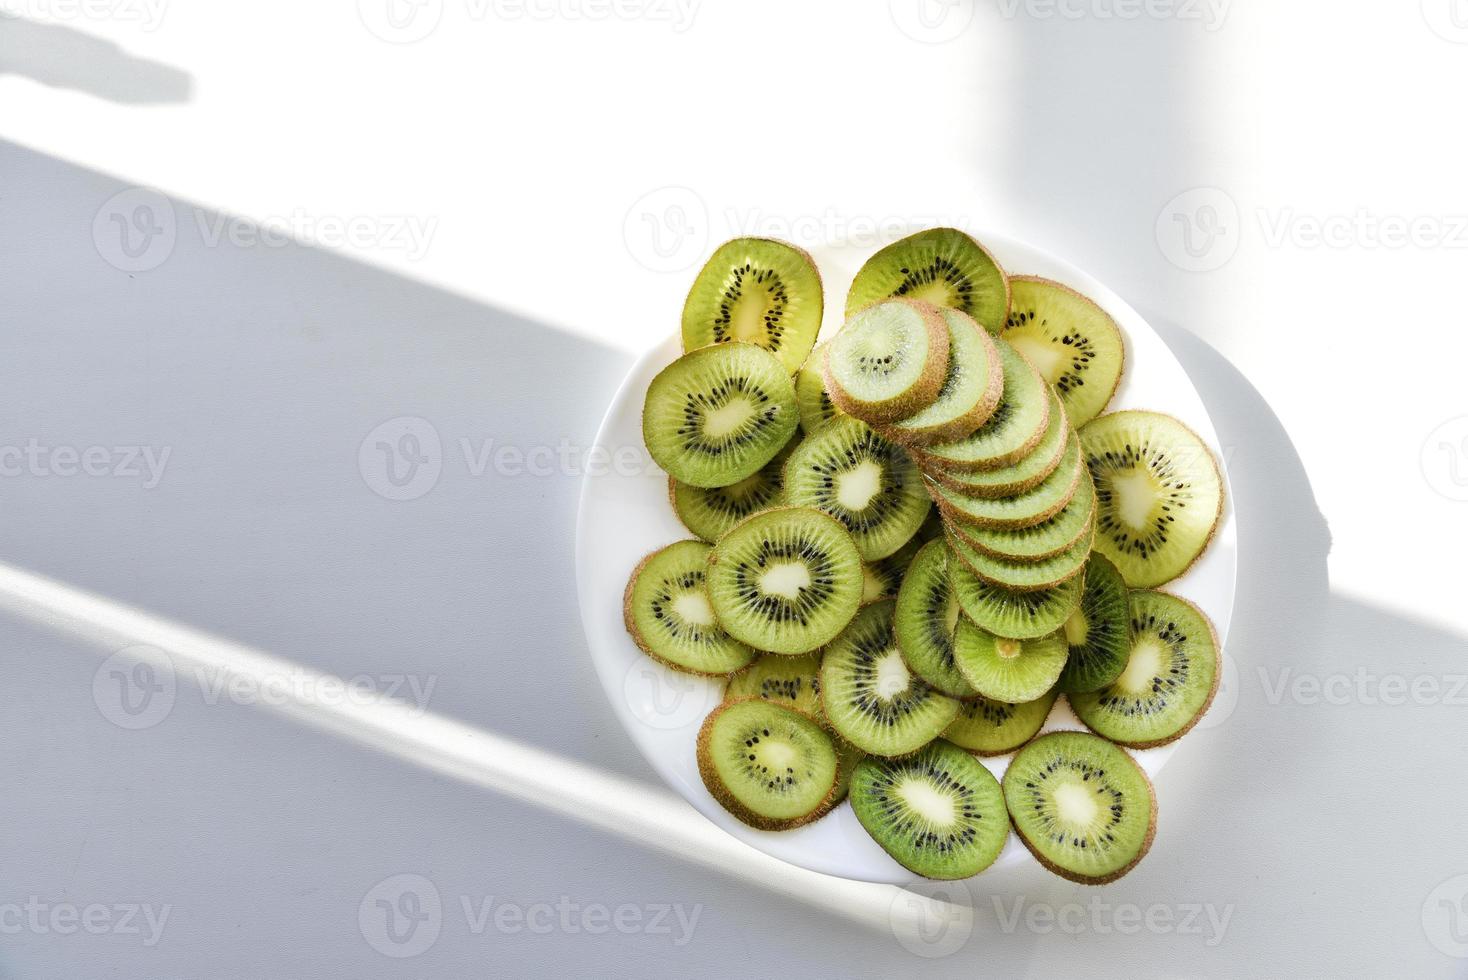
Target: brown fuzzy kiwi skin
1207, 702
636, 634
994, 491
820, 288
1217, 517
726, 799
923, 392
1023, 588
966, 535
1119, 872
928, 460
972, 420
954, 516
1121, 367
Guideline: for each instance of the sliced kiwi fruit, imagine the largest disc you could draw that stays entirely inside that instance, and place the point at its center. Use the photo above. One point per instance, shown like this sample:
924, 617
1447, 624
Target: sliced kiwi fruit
1004, 612
870, 697
1038, 541
1033, 506
868, 484
816, 407
1098, 632
990, 727
786, 580
757, 291
848, 756
1072, 342
970, 392
1025, 474
943, 266
940, 813
1169, 680
1082, 806
1008, 670
1011, 432
924, 619
932, 528
669, 616
709, 512
888, 361
1023, 575
1158, 494
792, 682
771, 767
717, 415
881, 579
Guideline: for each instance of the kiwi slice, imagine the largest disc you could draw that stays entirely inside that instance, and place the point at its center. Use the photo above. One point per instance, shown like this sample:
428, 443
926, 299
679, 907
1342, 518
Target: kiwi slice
1023, 510
1169, 680
1024, 575
1026, 474
888, 361
816, 407
991, 727
1158, 494
786, 580
939, 813
1050, 537
667, 612
771, 767
1098, 632
943, 266
1082, 806
1008, 670
881, 579
758, 291
870, 697
717, 415
932, 528
970, 392
1004, 612
867, 483
1072, 342
709, 512
848, 756
923, 621
791, 682
1016, 427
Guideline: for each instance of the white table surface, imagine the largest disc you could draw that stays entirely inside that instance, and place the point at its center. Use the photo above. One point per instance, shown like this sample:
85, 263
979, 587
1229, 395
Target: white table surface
523, 195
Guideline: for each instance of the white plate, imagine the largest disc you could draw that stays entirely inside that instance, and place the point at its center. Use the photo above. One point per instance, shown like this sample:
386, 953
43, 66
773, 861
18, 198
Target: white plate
625, 514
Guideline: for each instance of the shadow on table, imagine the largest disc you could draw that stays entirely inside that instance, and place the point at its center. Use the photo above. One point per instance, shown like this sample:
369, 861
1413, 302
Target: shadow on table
64, 57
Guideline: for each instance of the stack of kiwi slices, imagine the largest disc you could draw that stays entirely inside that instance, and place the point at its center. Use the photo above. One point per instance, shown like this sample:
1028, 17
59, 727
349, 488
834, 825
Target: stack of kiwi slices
909, 541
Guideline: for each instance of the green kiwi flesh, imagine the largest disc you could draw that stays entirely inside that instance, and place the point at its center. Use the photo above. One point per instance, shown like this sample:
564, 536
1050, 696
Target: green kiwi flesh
709, 512
1158, 494
868, 484
1074, 344
791, 682
719, 414
888, 361
869, 696
1170, 677
786, 580
759, 291
924, 620
1082, 806
1023, 575
771, 767
943, 266
940, 813
1008, 670
1018, 615
1049, 537
990, 727
1025, 474
668, 614
1014, 429
1098, 632
1033, 506
881, 579
816, 407
970, 392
